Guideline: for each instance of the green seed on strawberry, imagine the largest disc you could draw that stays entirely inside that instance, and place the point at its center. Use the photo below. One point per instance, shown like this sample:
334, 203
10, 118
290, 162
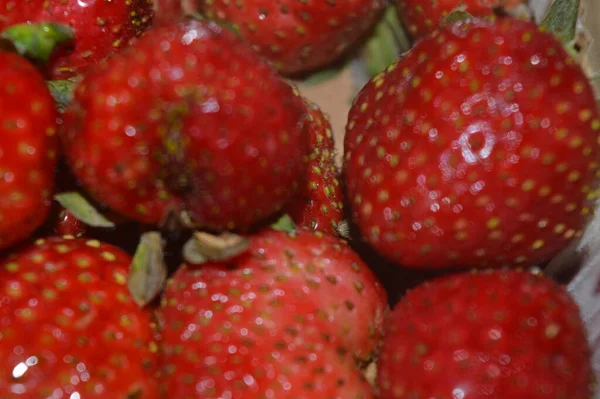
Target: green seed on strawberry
68, 326
501, 334
478, 148
27, 150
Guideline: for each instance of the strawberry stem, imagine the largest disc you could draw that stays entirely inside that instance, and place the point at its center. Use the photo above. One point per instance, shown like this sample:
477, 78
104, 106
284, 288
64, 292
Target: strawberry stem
82, 210
204, 247
148, 272
38, 41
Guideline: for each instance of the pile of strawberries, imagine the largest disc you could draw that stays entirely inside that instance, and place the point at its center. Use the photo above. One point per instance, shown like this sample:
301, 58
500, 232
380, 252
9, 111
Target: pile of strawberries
173, 223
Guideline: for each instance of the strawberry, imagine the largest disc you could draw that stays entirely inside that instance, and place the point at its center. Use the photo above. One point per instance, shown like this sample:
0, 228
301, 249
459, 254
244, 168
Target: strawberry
198, 131
297, 36
243, 334
101, 28
290, 298
68, 327
458, 157
319, 205
27, 151
502, 334
422, 17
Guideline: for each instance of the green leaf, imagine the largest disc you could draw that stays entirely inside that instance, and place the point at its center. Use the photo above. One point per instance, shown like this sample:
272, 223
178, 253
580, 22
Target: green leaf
38, 41
62, 91
285, 224
148, 272
204, 247
388, 42
561, 19
82, 209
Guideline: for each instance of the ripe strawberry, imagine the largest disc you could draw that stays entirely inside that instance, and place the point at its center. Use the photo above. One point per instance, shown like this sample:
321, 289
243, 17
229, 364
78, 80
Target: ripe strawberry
331, 276
244, 334
461, 157
297, 36
504, 334
319, 206
27, 149
68, 224
101, 27
198, 130
68, 327
422, 17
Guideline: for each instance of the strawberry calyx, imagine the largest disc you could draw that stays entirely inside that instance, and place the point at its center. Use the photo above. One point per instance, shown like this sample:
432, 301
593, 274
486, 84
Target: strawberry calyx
83, 210
148, 271
285, 224
204, 247
37, 41
62, 92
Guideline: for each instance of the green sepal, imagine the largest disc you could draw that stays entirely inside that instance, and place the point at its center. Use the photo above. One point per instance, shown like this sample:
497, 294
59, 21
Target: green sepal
285, 224
148, 271
203, 247
388, 41
561, 20
82, 209
62, 91
38, 41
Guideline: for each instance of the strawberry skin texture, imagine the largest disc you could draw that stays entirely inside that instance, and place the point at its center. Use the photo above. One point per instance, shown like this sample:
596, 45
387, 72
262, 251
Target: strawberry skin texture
101, 27
243, 334
297, 36
339, 285
491, 335
27, 151
68, 324
458, 157
320, 204
422, 17
199, 125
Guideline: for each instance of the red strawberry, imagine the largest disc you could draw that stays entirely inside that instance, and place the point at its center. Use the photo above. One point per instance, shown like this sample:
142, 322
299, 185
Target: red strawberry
297, 36
503, 334
68, 327
245, 334
456, 156
319, 206
337, 283
197, 130
101, 27
27, 150
422, 17
68, 224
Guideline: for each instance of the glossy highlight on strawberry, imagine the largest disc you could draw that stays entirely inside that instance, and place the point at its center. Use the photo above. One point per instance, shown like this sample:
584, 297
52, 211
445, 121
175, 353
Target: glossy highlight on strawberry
101, 27
68, 327
27, 150
458, 157
197, 130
